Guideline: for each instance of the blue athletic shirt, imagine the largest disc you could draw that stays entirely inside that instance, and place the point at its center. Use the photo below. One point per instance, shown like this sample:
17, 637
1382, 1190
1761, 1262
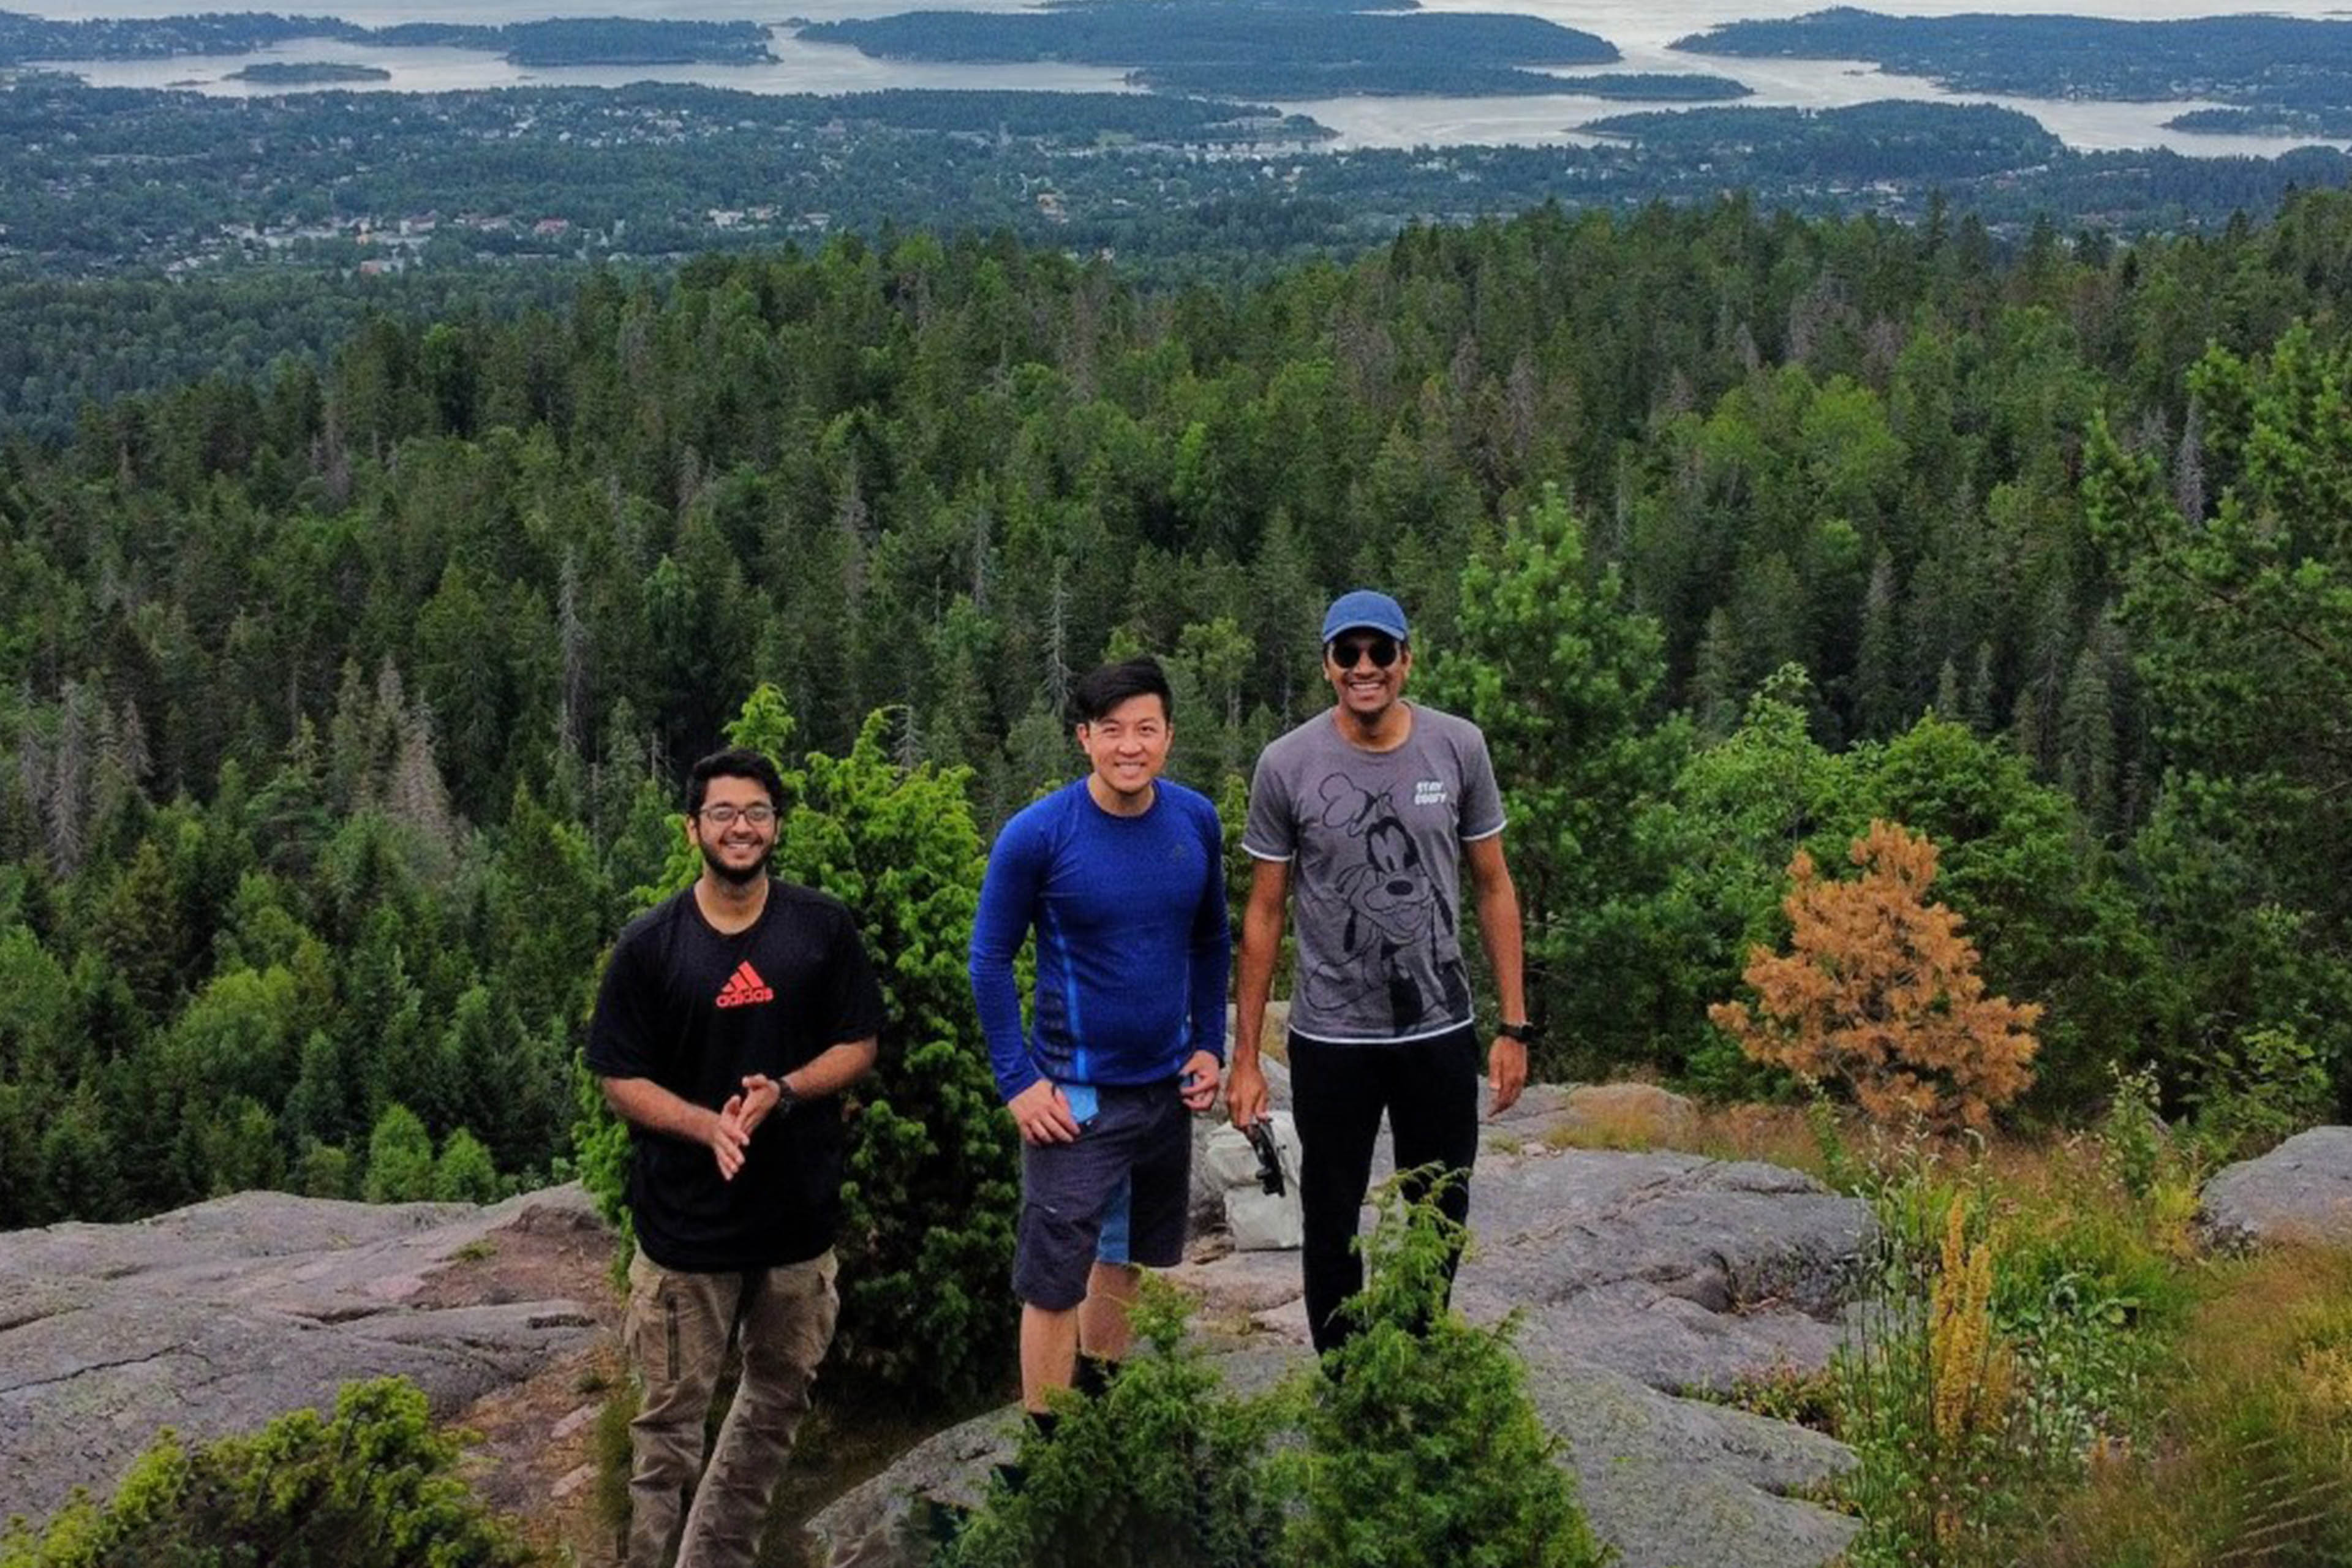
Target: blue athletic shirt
1132, 941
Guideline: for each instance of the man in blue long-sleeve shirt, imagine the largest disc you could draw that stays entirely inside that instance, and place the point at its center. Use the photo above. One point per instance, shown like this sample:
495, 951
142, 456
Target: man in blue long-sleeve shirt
1121, 877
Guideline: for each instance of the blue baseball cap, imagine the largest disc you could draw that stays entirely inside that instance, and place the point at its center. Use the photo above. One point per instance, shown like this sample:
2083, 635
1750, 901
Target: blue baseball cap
1364, 607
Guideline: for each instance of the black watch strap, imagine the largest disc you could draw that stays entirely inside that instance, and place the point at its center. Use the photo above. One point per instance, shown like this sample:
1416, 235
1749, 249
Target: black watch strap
1523, 1033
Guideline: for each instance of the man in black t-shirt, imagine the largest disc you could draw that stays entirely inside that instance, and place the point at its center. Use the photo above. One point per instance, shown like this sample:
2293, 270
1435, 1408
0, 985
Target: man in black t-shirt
729, 1017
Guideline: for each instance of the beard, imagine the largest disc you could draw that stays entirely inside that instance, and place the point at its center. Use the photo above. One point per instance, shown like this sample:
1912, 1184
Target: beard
730, 875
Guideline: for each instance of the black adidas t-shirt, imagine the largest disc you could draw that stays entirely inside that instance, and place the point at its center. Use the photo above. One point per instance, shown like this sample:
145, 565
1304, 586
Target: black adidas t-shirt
694, 1011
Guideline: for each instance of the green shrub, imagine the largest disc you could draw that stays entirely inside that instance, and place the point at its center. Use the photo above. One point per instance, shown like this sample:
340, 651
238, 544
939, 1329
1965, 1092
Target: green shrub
400, 1159
464, 1173
2132, 1133
2258, 1091
1423, 1449
1415, 1445
2091, 1298
2022, 1321
1161, 1471
373, 1487
1930, 1397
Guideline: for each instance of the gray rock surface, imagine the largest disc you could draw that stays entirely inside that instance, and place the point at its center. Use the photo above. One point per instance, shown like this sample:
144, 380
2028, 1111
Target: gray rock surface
1637, 1276
1671, 1483
2300, 1190
1685, 1272
1678, 1483
1682, 1271
216, 1319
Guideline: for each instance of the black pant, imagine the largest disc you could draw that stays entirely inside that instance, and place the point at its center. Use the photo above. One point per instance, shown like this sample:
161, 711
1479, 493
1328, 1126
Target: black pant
1430, 1090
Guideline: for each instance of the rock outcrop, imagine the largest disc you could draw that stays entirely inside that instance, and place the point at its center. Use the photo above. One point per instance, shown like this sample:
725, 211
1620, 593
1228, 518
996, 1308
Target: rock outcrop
1636, 1276
1669, 1482
1638, 1279
2299, 1191
216, 1319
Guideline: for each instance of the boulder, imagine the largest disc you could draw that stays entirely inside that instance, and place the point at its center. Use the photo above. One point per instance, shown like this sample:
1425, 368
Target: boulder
217, 1319
2299, 1191
1678, 1270
1254, 1219
1208, 1200
1261, 1221
1669, 1482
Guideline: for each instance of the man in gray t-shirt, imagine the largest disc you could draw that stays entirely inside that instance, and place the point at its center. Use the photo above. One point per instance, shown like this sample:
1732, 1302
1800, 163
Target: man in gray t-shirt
1362, 817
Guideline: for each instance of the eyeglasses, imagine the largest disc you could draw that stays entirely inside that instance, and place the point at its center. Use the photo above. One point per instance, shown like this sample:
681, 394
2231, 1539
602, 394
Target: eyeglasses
725, 816
1384, 649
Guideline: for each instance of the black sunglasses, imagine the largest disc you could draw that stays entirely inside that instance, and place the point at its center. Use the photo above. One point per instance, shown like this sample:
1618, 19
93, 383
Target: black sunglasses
1346, 651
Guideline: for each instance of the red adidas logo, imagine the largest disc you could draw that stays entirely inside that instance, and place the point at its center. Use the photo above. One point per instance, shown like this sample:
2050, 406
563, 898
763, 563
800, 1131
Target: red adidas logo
744, 988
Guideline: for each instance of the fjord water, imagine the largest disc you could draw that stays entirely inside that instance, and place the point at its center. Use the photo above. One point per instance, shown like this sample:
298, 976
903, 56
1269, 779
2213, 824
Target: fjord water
1640, 29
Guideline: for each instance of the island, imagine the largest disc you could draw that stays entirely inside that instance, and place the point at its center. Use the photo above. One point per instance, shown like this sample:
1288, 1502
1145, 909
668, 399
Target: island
596, 41
2325, 120
2260, 62
1283, 49
1657, 86
307, 73
559, 41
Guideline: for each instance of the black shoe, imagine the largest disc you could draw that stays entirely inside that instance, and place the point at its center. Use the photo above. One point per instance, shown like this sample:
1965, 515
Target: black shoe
1095, 1376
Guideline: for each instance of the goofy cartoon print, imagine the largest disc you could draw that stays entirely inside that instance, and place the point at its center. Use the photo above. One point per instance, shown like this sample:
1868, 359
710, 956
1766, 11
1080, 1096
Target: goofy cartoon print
1391, 938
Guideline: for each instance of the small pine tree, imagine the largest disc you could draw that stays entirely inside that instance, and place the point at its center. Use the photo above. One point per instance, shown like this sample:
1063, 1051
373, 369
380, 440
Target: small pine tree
1880, 988
1165, 1471
323, 1171
464, 1173
1423, 1450
373, 1487
400, 1159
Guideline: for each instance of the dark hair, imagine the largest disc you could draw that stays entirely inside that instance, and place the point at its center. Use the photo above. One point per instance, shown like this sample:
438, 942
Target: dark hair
1106, 688
734, 762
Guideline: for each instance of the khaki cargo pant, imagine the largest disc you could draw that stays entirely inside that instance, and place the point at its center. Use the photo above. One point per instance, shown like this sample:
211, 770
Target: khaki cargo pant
678, 1332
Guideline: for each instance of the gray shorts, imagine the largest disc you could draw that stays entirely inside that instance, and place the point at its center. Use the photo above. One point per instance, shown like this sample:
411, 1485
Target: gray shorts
1116, 1196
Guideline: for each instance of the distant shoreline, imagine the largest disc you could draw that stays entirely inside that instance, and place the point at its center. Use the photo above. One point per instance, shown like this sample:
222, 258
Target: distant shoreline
1366, 105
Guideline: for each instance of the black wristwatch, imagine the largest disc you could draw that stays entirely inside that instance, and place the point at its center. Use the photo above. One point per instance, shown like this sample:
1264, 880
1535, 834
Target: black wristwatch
1523, 1033
786, 1099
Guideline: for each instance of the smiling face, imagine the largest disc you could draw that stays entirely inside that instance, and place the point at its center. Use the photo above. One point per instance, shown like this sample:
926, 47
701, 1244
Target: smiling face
1128, 745
735, 846
1366, 689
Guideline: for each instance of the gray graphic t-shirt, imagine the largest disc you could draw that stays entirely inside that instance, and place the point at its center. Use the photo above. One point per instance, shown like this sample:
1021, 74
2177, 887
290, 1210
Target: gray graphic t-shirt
1374, 840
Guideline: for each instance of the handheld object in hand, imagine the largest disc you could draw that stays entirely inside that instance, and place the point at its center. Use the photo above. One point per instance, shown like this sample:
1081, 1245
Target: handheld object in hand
1269, 1156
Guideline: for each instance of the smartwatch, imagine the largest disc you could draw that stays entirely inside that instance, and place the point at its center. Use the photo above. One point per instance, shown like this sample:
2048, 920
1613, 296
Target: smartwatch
1523, 1033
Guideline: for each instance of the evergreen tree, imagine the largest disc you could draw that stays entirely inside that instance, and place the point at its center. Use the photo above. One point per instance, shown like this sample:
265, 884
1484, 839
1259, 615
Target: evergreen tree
1714, 688
2089, 763
464, 1173
1878, 700
1423, 1449
1879, 989
400, 1159
1564, 679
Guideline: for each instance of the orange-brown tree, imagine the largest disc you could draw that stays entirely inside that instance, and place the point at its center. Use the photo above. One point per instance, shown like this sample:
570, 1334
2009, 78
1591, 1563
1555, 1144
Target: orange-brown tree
1880, 989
